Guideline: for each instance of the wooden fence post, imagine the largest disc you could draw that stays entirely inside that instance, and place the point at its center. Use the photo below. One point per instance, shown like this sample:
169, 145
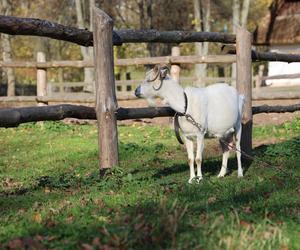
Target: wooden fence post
258, 77
244, 84
106, 101
175, 68
41, 77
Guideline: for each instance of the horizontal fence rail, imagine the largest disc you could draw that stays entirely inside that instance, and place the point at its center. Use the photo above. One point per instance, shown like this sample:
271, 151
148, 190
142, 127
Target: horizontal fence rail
13, 117
89, 99
284, 76
264, 56
217, 59
37, 27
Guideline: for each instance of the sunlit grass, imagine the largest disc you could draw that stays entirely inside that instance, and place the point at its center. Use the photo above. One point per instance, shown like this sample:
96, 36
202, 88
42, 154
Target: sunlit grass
51, 194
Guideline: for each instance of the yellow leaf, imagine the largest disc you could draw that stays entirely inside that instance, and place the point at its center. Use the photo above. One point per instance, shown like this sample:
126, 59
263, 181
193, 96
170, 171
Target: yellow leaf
37, 217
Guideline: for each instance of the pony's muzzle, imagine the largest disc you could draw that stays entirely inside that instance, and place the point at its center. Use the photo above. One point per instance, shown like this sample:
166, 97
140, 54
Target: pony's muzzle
137, 92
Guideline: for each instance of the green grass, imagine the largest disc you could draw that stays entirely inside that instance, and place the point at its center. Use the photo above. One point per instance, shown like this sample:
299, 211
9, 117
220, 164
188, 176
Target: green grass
51, 194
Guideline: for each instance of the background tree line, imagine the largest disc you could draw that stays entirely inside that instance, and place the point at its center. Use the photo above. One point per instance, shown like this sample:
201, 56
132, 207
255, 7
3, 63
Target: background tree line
199, 15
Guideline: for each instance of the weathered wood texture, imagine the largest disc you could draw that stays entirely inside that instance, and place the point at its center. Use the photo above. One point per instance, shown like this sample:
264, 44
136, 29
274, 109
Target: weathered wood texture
45, 65
213, 59
57, 98
264, 95
284, 76
258, 77
244, 84
263, 56
273, 57
216, 59
81, 98
36, 27
41, 78
275, 109
175, 68
106, 101
13, 117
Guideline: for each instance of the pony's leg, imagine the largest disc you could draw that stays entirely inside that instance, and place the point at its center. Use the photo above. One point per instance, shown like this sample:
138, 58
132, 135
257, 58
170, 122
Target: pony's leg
190, 151
238, 135
226, 144
200, 147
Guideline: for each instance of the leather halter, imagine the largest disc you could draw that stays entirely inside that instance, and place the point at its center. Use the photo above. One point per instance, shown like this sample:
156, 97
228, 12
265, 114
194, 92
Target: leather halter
176, 122
160, 85
161, 82
158, 74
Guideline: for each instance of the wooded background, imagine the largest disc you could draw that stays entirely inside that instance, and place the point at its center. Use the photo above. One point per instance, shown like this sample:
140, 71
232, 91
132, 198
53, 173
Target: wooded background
199, 15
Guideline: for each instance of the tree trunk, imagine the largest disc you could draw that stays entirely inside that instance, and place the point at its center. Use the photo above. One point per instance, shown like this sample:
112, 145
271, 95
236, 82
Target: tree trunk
7, 53
235, 23
87, 52
244, 13
202, 23
9, 71
152, 48
239, 18
206, 24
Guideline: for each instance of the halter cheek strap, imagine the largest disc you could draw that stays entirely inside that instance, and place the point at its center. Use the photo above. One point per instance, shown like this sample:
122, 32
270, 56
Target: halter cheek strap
161, 78
160, 85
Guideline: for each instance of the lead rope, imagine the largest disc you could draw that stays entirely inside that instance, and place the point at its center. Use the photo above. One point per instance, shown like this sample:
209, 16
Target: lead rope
268, 164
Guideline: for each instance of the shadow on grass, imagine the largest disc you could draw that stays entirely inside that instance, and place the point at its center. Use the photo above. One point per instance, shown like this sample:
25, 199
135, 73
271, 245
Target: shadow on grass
154, 224
212, 166
65, 181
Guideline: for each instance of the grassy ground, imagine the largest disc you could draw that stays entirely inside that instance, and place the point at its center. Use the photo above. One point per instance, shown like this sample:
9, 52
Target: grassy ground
51, 195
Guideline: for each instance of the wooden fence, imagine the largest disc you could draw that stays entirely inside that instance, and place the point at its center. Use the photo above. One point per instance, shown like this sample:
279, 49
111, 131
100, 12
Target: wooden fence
104, 38
61, 92
124, 88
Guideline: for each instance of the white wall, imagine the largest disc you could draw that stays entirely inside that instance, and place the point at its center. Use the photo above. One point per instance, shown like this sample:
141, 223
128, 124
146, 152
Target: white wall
279, 68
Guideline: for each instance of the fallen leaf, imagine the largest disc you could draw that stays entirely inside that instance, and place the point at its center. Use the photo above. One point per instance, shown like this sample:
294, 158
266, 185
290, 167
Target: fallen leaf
244, 224
15, 244
247, 210
37, 217
96, 241
87, 247
211, 199
284, 248
70, 219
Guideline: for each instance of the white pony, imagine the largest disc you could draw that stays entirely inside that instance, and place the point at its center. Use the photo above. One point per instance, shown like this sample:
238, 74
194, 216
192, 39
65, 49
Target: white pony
216, 109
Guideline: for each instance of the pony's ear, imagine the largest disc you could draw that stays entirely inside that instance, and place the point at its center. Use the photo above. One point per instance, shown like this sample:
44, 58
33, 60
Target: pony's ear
155, 69
164, 70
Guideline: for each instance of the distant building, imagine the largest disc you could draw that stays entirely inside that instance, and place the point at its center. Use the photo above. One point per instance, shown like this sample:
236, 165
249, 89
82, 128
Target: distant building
280, 31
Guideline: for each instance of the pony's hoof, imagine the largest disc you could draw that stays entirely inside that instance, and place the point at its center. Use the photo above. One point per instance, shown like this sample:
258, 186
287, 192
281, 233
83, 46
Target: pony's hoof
221, 175
192, 180
199, 179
